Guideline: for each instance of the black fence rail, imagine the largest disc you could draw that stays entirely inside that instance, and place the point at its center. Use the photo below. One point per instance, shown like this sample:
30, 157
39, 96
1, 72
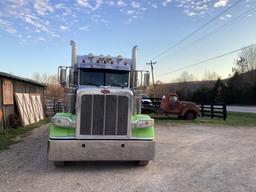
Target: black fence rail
213, 110
53, 106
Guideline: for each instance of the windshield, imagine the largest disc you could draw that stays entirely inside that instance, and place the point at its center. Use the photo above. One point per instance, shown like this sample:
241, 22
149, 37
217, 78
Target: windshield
145, 96
98, 77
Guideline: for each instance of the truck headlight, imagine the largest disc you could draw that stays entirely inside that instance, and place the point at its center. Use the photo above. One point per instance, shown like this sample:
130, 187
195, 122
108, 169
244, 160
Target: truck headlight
63, 122
144, 123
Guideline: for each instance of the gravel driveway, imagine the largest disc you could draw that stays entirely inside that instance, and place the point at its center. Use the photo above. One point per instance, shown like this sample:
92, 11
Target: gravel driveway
189, 158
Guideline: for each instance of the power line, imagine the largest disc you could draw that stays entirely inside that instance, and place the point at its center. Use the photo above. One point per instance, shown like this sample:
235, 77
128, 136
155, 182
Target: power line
234, 20
207, 60
196, 30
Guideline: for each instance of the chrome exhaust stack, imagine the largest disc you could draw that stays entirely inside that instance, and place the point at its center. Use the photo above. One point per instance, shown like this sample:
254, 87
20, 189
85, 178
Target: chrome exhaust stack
134, 82
70, 89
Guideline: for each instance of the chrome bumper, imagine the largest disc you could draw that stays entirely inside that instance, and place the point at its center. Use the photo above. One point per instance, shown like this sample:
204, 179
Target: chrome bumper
101, 150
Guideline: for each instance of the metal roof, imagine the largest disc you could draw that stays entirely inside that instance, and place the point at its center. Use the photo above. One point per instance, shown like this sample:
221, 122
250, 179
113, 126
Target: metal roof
10, 76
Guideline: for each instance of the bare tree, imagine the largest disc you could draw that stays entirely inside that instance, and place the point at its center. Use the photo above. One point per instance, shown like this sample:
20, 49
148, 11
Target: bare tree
241, 65
212, 76
45, 78
54, 90
248, 58
186, 77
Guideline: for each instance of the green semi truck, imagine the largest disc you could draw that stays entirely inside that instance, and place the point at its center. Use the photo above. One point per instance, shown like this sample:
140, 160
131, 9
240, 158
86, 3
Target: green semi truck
102, 118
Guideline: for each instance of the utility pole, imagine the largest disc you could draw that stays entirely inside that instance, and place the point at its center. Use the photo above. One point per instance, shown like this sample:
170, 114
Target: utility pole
152, 72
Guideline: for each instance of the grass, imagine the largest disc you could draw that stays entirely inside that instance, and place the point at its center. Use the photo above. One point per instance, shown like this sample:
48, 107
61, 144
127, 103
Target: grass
234, 119
8, 137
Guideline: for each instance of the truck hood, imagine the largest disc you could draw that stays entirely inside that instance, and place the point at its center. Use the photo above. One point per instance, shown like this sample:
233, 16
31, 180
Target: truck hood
98, 90
187, 103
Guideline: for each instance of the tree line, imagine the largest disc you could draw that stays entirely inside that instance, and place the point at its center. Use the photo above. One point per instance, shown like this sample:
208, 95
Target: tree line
53, 90
239, 88
235, 90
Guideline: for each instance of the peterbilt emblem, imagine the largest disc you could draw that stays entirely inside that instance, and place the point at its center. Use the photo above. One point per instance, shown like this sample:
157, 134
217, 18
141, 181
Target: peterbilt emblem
105, 91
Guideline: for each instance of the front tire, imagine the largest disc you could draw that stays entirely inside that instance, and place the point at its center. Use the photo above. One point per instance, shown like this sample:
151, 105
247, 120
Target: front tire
143, 163
190, 116
59, 163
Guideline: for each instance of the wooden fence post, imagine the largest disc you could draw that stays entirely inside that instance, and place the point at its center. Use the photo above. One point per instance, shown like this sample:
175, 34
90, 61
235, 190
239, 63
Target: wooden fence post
212, 112
224, 112
202, 110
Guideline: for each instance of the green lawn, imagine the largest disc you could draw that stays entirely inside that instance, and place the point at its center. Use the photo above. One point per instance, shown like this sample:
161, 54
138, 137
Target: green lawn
234, 119
8, 136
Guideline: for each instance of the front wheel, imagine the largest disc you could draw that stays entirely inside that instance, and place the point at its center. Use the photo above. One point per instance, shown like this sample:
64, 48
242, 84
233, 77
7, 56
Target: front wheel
190, 116
143, 163
59, 163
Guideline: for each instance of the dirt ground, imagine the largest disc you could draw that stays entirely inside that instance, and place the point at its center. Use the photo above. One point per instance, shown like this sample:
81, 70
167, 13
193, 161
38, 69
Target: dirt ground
188, 158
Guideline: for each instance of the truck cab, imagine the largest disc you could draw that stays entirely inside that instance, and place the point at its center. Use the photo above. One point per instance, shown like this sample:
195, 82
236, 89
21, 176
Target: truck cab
102, 120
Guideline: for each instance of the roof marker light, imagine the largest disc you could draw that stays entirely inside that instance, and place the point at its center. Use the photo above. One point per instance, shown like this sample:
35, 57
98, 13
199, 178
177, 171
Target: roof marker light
101, 58
90, 57
108, 58
119, 58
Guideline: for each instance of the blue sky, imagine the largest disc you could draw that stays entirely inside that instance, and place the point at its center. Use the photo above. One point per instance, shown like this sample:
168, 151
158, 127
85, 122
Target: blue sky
35, 34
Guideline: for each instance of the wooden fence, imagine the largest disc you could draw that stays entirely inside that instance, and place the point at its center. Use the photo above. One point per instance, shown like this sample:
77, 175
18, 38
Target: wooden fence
53, 106
214, 110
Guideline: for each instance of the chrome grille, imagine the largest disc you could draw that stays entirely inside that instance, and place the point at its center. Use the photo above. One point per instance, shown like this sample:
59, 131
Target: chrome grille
104, 115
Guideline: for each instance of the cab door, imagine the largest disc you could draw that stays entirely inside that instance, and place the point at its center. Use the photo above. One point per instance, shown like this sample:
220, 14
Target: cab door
174, 104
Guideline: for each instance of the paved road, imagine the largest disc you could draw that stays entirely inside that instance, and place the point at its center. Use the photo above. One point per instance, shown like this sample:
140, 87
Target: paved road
188, 158
243, 109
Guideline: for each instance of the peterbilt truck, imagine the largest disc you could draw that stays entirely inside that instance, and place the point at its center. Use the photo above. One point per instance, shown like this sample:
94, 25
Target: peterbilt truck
102, 118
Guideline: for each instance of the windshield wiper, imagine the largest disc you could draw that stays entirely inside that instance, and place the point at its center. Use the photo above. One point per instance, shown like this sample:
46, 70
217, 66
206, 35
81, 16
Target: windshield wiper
117, 84
92, 84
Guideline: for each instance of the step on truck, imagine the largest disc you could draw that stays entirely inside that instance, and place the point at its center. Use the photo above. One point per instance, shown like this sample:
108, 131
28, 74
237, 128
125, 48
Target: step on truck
102, 118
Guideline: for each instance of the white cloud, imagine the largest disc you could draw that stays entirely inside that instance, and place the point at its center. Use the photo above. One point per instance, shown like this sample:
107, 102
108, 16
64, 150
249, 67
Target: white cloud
221, 3
7, 27
121, 3
84, 28
224, 17
64, 9
64, 28
40, 26
110, 3
42, 7
83, 3
154, 6
98, 3
41, 39
130, 12
193, 7
166, 2
49, 18
87, 4
135, 4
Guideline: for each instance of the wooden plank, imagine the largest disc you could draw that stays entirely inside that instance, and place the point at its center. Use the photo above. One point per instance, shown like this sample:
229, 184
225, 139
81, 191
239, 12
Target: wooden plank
1, 107
24, 108
1, 120
7, 92
30, 107
37, 106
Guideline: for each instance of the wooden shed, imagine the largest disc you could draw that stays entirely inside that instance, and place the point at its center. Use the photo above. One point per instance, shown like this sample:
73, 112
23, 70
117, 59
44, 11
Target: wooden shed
9, 85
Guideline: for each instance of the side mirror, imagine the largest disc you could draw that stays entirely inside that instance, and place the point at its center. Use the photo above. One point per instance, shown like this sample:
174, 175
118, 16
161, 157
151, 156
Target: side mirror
146, 79
63, 76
